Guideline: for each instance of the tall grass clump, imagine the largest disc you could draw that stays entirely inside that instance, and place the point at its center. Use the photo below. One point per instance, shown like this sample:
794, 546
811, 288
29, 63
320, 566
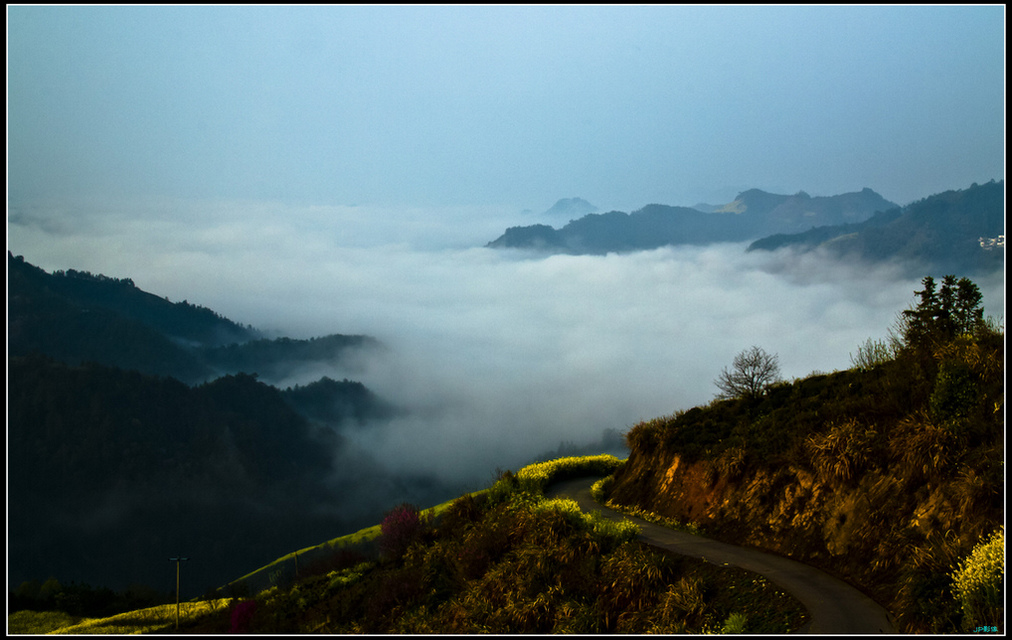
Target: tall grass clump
979, 581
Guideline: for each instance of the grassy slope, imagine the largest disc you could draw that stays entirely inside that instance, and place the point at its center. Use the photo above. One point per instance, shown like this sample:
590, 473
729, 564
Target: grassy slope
886, 477
501, 560
151, 620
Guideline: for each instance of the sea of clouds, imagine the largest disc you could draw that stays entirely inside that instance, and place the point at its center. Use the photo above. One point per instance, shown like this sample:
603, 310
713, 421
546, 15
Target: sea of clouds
497, 356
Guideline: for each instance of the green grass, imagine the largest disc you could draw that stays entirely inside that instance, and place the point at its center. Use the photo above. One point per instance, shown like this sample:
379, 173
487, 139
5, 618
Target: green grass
532, 477
507, 560
38, 622
348, 541
504, 560
153, 619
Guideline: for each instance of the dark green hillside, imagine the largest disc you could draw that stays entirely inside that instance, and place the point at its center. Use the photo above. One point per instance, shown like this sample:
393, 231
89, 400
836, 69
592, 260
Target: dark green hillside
819, 235
79, 317
942, 232
110, 472
180, 321
539, 237
651, 227
275, 359
885, 475
337, 402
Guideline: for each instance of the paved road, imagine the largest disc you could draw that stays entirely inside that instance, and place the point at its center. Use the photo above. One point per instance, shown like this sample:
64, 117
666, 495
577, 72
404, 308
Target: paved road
834, 606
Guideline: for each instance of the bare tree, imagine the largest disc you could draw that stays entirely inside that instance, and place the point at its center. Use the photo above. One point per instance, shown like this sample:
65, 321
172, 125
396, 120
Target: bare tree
751, 374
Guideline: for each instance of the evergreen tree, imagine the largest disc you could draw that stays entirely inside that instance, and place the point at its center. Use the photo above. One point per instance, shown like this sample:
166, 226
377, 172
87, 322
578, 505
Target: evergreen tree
942, 315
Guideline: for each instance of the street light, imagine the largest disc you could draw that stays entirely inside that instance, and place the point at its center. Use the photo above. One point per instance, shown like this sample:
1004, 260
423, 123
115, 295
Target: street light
177, 560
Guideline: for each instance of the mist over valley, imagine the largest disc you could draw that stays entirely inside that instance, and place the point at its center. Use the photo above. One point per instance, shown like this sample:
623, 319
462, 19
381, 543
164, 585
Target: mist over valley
273, 271
474, 359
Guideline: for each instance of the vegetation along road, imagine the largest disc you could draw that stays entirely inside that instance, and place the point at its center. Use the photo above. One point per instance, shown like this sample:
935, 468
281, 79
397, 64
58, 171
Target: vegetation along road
833, 605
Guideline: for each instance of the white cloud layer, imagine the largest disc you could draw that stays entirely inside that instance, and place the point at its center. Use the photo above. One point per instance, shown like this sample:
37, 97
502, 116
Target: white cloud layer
498, 355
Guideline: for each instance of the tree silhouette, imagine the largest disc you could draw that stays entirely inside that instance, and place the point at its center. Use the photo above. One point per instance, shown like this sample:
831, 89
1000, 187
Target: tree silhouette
942, 315
751, 374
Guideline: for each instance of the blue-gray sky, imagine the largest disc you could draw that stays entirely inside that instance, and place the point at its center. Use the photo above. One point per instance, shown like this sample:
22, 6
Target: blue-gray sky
339, 169
509, 106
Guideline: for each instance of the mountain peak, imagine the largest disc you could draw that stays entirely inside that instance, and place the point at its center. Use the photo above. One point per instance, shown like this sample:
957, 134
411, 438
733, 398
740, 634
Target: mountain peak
572, 207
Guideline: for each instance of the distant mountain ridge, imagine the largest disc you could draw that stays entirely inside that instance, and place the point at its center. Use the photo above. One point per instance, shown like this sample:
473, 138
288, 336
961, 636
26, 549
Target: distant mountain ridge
76, 316
753, 214
952, 232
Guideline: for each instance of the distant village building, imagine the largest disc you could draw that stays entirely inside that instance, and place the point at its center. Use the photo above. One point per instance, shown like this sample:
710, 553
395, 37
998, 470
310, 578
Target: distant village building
987, 244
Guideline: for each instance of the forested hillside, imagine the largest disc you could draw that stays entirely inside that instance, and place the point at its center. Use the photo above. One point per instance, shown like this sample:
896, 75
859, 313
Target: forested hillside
138, 427
110, 472
954, 231
76, 316
887, 475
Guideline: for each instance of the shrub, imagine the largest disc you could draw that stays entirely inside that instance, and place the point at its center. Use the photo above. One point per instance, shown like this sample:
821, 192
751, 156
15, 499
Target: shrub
735, 624
924, 601
978, 582
955, 393
842, 452
242, 616
873, 353
402, 525
601, 490
920, 449
346, 577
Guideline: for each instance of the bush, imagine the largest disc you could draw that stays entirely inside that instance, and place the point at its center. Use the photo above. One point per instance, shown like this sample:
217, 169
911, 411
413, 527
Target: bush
402, 526
843, 452
955, 394
242, 616
601, 490
873, 353
735, 624
978, 581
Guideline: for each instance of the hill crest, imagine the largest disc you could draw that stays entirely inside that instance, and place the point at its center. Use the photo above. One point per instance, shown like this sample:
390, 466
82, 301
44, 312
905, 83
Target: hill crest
753, 214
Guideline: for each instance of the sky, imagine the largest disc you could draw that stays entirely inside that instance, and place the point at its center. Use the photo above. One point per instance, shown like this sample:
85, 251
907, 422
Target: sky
505, 106
316, 170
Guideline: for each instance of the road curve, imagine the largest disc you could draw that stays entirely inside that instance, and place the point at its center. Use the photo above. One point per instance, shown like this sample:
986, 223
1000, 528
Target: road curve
834, 607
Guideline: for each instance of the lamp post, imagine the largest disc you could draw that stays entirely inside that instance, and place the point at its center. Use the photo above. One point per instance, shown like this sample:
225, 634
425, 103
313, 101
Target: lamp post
177, 560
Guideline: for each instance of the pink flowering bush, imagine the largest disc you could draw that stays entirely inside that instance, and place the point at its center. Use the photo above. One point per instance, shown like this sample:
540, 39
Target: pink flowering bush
242, 616
402, 525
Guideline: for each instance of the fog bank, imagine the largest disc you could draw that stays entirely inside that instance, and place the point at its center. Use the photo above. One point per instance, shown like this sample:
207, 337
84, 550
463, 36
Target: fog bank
496, 355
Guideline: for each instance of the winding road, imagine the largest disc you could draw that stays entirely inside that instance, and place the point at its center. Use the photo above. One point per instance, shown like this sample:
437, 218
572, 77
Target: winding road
834, 606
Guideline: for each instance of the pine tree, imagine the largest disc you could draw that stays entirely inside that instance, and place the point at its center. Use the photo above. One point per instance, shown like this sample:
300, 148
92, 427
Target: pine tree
942, 315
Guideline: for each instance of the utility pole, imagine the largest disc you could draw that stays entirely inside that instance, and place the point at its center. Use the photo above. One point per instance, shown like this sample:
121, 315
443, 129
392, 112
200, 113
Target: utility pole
177, 560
